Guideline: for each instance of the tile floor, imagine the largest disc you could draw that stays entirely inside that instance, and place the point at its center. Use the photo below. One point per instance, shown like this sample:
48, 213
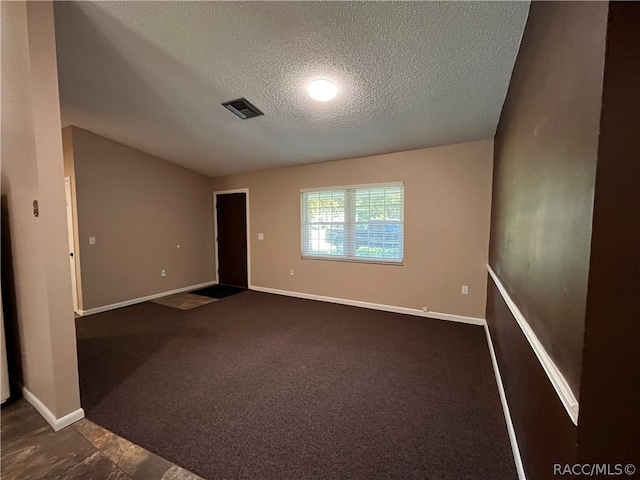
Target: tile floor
184, 301
30, 449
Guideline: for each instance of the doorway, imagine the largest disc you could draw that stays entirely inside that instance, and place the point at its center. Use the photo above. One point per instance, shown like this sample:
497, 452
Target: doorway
72, 248
232, 237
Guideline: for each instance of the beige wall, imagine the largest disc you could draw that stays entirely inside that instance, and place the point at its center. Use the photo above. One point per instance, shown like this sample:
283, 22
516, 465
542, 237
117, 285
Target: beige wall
447, 214
139, 208
32, 169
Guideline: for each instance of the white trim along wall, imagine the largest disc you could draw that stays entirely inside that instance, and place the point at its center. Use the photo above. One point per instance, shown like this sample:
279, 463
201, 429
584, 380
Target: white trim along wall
558, 381
133, 301
56, 423
373, 306
505, 408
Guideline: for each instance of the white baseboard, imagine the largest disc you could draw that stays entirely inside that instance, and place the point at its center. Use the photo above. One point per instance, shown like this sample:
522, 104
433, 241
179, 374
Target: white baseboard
56, 423
558, 381
127, 303
451, 317
505, 408
373, 306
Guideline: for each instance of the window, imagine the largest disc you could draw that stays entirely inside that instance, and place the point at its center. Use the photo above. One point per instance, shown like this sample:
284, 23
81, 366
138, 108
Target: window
357, 223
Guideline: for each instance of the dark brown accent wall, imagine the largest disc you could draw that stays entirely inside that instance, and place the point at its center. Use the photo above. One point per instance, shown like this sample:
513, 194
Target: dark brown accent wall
565, 234
609, 426
544, 169
545, 433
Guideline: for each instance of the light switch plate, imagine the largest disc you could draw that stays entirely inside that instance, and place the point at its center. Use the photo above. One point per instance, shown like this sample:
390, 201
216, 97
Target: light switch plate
92, 240
261, 236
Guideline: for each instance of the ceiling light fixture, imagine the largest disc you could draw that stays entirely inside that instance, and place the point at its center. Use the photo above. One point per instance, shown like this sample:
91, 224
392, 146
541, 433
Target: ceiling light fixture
322, 90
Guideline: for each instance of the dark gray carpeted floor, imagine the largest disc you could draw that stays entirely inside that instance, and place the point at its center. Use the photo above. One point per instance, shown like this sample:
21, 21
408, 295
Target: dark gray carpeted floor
260, 386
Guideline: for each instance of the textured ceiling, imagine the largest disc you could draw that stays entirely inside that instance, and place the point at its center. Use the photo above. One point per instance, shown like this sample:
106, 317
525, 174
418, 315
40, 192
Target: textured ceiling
152, 75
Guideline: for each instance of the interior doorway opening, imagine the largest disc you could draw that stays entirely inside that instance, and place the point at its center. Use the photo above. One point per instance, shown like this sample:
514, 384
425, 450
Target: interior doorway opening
72, 243
232, 237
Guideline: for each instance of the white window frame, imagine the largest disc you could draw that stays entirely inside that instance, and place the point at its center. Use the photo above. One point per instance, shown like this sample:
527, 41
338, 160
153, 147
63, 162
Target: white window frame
349, 220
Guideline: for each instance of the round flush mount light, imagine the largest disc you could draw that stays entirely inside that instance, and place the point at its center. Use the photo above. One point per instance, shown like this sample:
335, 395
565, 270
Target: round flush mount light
322, 90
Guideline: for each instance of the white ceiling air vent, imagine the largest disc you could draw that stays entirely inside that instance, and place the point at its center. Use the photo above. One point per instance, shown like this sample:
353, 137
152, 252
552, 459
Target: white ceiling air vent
242, 108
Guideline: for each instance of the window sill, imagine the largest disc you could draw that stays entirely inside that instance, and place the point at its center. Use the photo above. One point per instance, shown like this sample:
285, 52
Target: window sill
353, 260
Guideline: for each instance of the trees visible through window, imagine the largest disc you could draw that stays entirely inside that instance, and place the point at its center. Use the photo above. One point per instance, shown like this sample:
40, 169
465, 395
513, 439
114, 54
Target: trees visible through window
356, 223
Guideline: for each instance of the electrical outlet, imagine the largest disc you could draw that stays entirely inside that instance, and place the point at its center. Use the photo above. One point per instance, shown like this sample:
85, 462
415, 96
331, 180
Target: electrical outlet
163, 273
465, 290
425, 309
291, 272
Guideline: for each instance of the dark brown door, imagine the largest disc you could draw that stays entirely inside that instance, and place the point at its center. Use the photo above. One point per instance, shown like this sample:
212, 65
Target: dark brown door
232, 239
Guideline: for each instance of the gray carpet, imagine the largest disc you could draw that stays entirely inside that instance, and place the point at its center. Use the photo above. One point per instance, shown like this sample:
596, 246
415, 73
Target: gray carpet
260, 386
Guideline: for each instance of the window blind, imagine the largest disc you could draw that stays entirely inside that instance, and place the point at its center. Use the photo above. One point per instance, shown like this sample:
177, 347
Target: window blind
356, 223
